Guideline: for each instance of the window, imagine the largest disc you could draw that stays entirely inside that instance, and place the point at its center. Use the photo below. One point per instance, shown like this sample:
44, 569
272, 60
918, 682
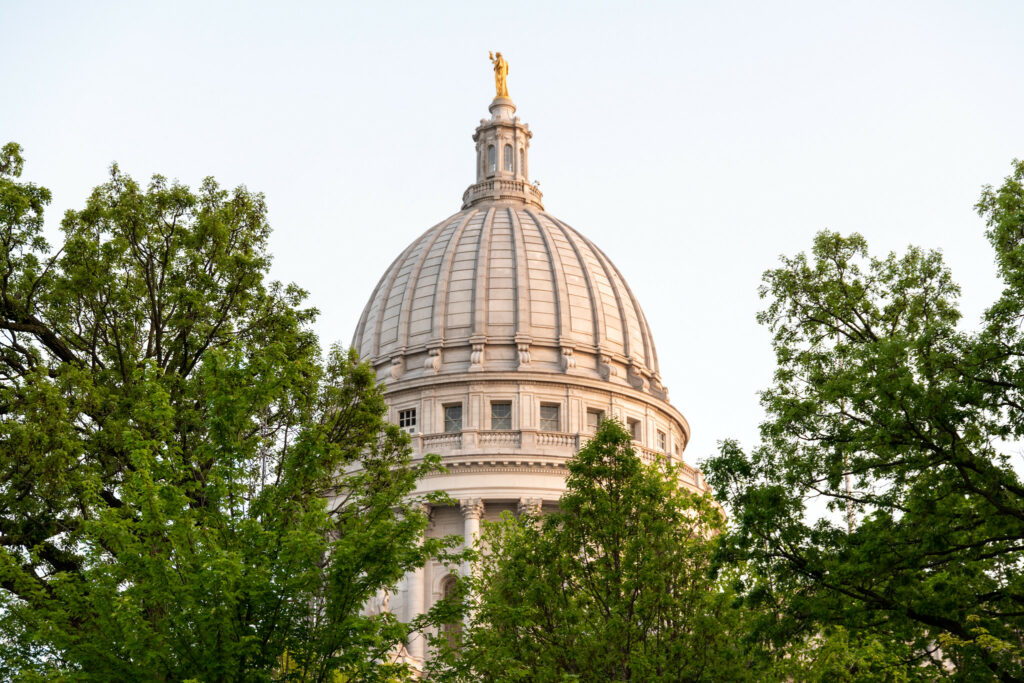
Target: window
549, 419
522, 162
407, 420
501, 415
594, 418
679, 451
508, 158
634, 428
662, 442
453, 418
492, 163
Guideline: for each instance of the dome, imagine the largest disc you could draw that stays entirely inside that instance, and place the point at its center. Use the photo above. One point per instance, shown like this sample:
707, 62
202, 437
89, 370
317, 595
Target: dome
505, 286
501, 274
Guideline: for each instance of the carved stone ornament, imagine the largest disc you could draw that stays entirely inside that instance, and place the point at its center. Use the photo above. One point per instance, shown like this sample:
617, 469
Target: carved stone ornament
476, 355
433, 361
523, 349
524, 353
472, 508
605, 367
568, 360
529, 506
635, 376
397, 366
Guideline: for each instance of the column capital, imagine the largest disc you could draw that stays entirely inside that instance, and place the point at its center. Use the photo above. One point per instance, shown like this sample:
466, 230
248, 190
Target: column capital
529, 506
472, 508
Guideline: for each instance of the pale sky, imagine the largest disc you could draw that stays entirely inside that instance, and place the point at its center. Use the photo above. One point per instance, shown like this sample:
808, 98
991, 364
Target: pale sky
692, 141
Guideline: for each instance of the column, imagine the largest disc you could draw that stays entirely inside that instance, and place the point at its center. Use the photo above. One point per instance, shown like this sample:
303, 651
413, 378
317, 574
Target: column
472, 511
417, 594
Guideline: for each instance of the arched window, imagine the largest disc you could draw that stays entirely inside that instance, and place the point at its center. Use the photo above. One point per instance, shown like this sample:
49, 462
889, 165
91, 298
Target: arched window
522, 162
492, 162
452, 632
508, 157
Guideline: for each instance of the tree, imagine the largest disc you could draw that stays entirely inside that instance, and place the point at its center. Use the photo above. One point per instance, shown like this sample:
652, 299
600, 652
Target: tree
188, 488
896, 423
615, 586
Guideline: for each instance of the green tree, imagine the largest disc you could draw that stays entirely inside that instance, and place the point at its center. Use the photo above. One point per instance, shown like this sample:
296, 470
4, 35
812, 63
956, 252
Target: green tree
188, 488
615, 586
896, 424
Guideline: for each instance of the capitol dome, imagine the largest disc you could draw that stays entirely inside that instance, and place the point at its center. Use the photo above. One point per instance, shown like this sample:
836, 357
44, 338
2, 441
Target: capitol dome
504, 285
519, 287
503, 337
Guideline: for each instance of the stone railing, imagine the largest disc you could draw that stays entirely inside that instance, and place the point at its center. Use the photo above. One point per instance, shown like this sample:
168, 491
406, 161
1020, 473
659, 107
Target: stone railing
647, 455
500, 188
691, 475
558, 439
500, 438
443, 440
515, 439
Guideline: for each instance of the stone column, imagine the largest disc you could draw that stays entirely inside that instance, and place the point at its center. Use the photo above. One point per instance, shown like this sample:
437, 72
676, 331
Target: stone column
417, 594
472, 511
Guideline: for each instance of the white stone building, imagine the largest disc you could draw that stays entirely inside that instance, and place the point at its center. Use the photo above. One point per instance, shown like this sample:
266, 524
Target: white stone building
504, 336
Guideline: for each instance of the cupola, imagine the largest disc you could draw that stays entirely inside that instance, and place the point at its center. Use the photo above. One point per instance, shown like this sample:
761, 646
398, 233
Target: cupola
502, 158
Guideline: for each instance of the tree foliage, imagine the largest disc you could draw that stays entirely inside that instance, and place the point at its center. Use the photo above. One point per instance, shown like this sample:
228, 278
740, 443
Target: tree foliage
877, 385
615, 586
189, 489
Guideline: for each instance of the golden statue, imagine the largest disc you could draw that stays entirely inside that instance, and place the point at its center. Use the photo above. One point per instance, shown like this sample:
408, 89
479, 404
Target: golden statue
500, 74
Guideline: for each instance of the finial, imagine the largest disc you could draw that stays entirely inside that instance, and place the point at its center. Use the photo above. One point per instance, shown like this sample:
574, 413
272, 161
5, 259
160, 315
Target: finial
500, 74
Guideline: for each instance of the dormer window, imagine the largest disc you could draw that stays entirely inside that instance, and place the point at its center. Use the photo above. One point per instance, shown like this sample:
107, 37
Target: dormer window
492, 161
508, 157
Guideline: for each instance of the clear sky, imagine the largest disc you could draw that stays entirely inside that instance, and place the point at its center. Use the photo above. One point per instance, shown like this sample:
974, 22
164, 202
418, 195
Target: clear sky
692, 141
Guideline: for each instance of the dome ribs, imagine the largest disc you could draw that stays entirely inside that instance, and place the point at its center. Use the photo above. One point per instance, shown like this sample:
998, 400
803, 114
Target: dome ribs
499, 322
561, 295
412, 310
385, 293
522, 292
482, 273
357, 338
596, 305
652, 352
543, 320
619, 305
636, 324
438, 308
578, 299
499, 275
456, 314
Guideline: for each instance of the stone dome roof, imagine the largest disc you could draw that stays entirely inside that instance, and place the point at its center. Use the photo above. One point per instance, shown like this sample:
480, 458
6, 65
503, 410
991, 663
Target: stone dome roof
501, 272
505, 286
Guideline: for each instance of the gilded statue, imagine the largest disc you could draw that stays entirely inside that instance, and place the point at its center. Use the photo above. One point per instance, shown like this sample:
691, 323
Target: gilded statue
500, 74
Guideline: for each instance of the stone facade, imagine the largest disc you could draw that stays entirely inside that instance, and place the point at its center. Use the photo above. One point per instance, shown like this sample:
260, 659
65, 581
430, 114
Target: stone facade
503, 336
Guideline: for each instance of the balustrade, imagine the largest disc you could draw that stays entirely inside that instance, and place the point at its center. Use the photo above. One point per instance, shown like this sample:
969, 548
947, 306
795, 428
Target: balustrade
514, 439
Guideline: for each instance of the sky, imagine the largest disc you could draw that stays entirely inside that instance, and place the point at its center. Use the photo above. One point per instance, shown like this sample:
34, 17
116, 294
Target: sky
694, 142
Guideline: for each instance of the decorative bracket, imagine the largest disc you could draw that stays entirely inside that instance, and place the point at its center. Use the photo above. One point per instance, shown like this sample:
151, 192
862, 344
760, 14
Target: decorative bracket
476, 356
523, 347
433, 361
